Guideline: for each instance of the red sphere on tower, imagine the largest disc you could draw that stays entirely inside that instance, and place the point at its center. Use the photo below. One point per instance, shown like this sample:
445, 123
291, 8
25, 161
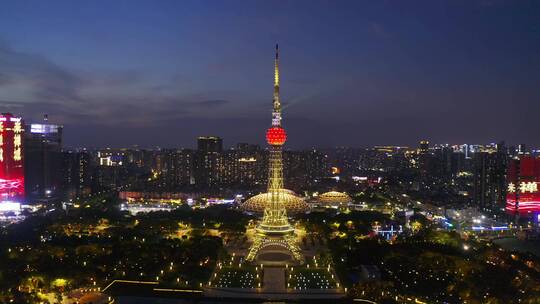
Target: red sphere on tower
276, 136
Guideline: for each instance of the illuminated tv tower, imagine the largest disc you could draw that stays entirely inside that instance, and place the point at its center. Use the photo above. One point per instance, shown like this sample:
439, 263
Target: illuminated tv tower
274, 228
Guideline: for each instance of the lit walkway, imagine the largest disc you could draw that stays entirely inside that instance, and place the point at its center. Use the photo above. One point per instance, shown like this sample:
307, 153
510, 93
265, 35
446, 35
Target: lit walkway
274, 280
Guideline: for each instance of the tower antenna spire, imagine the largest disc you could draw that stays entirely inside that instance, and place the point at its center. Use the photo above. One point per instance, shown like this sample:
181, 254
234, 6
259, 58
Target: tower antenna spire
276, 102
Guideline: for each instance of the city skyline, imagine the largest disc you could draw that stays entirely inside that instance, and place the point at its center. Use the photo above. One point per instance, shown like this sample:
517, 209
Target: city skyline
187, 69
399, 165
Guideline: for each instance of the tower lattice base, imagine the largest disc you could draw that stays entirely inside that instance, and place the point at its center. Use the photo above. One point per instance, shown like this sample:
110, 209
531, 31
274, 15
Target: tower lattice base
286, 241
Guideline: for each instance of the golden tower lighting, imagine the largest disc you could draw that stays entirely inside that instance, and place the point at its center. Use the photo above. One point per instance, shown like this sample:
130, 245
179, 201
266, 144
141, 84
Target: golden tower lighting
274, 229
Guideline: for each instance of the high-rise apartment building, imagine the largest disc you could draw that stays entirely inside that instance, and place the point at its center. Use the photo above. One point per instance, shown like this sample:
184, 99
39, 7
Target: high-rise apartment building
523, 196
76, 172
489, 173
43, 159
209, 164
11, 158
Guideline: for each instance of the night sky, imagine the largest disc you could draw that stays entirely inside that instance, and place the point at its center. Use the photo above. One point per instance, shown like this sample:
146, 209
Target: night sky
354, 73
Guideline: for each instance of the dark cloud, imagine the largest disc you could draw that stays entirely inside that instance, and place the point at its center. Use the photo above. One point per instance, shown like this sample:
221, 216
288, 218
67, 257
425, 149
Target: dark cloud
45, 80
7, 104
108, 98
213, 102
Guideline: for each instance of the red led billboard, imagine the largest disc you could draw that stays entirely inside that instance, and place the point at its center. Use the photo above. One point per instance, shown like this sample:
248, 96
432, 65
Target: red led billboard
11, 157
523, 177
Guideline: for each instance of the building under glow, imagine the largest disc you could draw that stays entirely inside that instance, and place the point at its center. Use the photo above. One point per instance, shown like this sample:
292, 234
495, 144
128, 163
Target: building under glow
523, 195
333, 199
11, 158
292, 203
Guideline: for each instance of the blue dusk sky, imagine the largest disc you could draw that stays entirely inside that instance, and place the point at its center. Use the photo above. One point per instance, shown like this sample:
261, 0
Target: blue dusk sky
353, 73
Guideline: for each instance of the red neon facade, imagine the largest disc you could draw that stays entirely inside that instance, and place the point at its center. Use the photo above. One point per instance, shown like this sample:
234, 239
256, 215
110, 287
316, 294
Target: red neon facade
276, 136
523, 195
11, 157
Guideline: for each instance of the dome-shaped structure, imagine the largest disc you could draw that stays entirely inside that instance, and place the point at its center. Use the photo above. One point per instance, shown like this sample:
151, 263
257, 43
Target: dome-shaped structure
293, 203
334, 198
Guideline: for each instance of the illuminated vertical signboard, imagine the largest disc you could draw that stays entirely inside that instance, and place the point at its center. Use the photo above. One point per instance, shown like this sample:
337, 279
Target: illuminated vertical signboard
11, 158
523, 177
